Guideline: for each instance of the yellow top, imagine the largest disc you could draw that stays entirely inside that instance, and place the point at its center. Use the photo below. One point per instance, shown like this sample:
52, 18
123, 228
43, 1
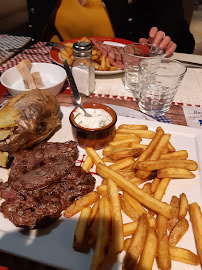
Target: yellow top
74, 20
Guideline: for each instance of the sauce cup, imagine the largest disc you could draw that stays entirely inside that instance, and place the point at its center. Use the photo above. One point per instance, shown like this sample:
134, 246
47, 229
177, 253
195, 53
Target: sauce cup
97, 138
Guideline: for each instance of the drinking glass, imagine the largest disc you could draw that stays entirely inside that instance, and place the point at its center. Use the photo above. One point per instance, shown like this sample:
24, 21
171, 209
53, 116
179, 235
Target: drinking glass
133, 54
158, 86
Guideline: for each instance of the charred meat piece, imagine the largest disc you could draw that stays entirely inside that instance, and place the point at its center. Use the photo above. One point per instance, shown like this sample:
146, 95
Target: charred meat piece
42, 183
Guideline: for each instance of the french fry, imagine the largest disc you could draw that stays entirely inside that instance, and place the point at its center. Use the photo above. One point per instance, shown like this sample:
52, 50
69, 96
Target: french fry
117, 223
178, 231
184, 205
142, 133
119, 149
88, 163
97, 66
121, 164
176, 254
103, 64
154, 185
161, 188
103, 233
126, 244
113, 68
128, 209
135, 192
153, 165
69, 44
126, 174
121, 143
79, 235
106, 159
176, 173
149, 251
102, 190
136, 181
175, 203
183, 255
147, 188
196, 220
160, 191
78, 205
138, 145
93, 154
129, 228
135, 204
125, 126
155, 155
125, 153
92, 231
94, 211
65, 53
107, 63
107, 150
182, 154
163, 252
137, 244
147, 152
171, 148
119, 137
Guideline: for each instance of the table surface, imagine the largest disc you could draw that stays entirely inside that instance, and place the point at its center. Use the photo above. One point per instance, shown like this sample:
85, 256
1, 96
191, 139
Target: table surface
175, 114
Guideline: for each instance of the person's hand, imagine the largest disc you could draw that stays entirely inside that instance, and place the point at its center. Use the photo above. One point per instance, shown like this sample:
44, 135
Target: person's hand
158, 38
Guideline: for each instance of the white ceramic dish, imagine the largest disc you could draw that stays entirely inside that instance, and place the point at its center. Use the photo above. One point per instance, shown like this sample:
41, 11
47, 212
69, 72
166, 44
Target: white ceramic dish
53, 245
53, 77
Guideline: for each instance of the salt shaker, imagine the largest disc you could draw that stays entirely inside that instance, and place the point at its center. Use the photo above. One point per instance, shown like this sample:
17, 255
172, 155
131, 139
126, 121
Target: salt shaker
83, 68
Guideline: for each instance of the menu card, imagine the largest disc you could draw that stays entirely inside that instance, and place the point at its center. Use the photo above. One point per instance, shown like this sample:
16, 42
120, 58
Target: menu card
193, 116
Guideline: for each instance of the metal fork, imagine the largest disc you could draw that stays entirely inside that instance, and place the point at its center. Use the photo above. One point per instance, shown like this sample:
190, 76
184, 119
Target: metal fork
74, 88
48, 44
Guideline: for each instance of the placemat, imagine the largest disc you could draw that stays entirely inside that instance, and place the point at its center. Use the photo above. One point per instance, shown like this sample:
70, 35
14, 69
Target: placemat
10, 42
189, 92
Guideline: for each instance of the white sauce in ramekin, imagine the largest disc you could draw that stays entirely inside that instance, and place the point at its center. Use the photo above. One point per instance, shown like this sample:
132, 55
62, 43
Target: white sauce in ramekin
99, 118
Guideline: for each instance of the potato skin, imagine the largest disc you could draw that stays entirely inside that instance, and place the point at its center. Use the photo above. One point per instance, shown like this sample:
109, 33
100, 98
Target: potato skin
37, 118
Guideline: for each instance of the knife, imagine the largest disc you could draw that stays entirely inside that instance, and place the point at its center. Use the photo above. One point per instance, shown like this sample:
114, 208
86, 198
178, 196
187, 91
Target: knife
48, 44
190, 64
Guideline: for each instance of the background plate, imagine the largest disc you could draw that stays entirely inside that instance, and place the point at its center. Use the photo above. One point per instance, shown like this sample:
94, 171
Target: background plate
53, 245
55, 54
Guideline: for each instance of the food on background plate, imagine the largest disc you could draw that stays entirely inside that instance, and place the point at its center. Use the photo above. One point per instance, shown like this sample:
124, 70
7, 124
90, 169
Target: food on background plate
142, 204
42, 183
105, 57
28, 119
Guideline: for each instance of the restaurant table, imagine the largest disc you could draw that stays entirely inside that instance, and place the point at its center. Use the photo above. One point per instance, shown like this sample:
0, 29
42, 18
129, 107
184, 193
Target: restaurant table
124, 99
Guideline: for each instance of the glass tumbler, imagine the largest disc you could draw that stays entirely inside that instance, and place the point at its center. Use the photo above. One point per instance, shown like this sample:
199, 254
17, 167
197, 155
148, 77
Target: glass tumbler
159, 86
133, 55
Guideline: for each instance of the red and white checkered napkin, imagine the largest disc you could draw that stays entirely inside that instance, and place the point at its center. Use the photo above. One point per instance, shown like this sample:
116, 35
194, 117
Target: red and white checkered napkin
36, 55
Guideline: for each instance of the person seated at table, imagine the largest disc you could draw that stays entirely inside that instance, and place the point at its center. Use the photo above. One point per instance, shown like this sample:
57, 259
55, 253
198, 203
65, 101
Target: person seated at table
77, 18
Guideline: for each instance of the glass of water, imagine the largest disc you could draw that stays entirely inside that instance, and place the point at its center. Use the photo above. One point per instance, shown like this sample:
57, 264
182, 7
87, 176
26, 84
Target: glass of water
158, 86
133, 55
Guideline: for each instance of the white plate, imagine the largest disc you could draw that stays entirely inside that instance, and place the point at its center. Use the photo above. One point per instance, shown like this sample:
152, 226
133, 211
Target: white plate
53, 245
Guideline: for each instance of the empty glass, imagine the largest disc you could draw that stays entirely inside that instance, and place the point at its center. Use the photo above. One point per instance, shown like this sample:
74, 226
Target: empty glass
158, 86
133, 54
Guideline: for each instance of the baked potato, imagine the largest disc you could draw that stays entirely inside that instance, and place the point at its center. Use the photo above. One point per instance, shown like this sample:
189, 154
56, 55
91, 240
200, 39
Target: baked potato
26, 120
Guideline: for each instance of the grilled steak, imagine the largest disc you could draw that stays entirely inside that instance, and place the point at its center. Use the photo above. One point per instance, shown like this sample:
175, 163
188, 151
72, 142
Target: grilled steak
42, 183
